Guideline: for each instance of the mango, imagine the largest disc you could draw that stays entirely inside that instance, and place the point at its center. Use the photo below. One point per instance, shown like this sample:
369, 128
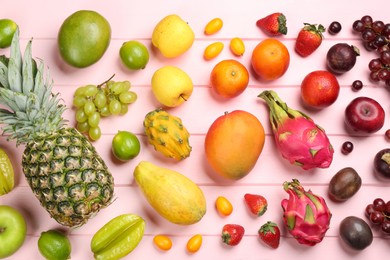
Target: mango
234, 143
173, 195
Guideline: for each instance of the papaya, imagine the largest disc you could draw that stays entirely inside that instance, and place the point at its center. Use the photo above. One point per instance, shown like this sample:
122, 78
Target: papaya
174, 196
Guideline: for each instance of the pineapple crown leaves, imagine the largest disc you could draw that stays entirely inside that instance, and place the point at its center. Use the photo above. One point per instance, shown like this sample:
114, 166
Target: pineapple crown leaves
29, 107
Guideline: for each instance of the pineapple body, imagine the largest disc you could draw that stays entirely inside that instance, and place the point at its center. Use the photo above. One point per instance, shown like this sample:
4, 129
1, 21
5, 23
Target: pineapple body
67, 176
167, 134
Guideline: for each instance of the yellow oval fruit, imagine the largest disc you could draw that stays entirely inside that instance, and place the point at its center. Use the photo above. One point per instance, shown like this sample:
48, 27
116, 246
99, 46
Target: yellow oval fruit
223, 206
213, 50
174, 196
162, 242
194, 243
237, 46
213, 26
172, 36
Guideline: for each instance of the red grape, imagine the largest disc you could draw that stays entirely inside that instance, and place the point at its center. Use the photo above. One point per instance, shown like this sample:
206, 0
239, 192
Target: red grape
379, 204
369, 210
385, 227
378, 26
374, 76
387, 209
386, 30
368, 35
375, 64
358, 26
384, 74
385, 57
377, 217
367, 20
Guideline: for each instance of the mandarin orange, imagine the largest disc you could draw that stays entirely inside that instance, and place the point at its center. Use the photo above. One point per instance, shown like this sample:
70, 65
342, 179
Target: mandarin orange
270, 59
229, 78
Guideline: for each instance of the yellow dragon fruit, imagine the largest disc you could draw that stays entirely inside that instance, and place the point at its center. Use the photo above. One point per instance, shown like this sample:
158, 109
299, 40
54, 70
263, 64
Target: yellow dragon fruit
306, 215
297, 137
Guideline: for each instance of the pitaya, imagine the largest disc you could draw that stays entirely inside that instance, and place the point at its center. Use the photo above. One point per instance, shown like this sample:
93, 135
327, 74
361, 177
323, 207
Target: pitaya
297, 137
306, 215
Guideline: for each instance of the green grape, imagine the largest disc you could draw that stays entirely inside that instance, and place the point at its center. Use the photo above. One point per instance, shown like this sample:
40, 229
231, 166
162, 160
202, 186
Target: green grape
104, 111
100, 99
116, 88
109, 84
79, 101
82, 127
81, 116
89, 108
91, 90
115, 107
126, 85
94, 119
127, 97
124, 109
94, 133
80, 91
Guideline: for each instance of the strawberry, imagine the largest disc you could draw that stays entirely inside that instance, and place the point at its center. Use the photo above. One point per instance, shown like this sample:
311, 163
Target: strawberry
232, 234
257, 204
270, 234
273, 24
309, 39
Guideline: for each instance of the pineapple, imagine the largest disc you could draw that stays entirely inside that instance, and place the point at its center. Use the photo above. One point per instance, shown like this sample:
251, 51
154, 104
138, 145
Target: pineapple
63, 169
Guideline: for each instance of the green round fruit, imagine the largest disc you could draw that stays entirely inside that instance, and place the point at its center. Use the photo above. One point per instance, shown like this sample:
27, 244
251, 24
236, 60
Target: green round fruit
134, 55
7, 31
12, 230
83, 38
54, 245
125, 146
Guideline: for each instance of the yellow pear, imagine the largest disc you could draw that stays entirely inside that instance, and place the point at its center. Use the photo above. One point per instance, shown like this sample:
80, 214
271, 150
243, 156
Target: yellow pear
171, 86
172, 36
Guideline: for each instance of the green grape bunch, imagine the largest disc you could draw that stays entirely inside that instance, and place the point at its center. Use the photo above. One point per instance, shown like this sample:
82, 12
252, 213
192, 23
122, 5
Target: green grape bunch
92, 102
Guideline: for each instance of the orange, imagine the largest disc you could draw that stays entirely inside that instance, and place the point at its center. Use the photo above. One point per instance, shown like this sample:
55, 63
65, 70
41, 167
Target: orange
229, 78
270, 59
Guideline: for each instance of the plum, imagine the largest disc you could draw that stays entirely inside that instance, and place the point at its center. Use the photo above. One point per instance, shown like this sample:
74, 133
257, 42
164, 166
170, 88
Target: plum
382, 164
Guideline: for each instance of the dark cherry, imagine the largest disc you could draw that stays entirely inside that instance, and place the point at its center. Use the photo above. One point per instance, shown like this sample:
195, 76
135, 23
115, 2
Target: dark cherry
335, 28
347, 147
357, 85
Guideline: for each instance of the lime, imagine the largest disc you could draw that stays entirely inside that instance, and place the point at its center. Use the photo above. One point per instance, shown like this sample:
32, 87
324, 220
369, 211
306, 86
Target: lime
125, 146
134, 55
83, 38
54, 245
7, 30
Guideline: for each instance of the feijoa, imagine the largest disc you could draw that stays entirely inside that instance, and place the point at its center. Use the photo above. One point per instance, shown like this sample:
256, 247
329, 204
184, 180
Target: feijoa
355, 232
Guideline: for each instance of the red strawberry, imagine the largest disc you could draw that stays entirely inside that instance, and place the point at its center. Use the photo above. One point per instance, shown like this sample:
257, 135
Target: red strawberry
232, 234
257, 204
309, 39
273, 24
270, 234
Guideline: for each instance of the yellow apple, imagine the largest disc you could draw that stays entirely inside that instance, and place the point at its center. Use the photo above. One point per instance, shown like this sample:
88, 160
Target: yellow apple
172, 36
171, 86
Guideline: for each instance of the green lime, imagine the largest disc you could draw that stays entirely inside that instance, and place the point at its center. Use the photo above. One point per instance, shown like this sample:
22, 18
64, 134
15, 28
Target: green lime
83, 38
54, 245
134, 55
7, 31
125, 146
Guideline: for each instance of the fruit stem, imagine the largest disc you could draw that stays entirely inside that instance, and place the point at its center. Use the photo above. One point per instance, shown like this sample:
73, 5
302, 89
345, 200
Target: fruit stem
183, 97
105, 82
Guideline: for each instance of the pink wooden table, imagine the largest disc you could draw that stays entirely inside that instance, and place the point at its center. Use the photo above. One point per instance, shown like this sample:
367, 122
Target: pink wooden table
135, 20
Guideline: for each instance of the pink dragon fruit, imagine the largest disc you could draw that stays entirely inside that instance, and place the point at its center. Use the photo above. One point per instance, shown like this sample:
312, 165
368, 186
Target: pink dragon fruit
297, 137
306, 215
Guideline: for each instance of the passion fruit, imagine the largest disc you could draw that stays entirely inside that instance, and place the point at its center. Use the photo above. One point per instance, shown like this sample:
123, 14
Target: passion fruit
341, 57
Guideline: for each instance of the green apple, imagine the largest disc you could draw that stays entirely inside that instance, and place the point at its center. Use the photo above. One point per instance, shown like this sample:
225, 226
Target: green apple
171, 86
12, 230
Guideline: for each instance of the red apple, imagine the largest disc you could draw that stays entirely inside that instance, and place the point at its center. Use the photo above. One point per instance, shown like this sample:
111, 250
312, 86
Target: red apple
319, 89
364, 115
